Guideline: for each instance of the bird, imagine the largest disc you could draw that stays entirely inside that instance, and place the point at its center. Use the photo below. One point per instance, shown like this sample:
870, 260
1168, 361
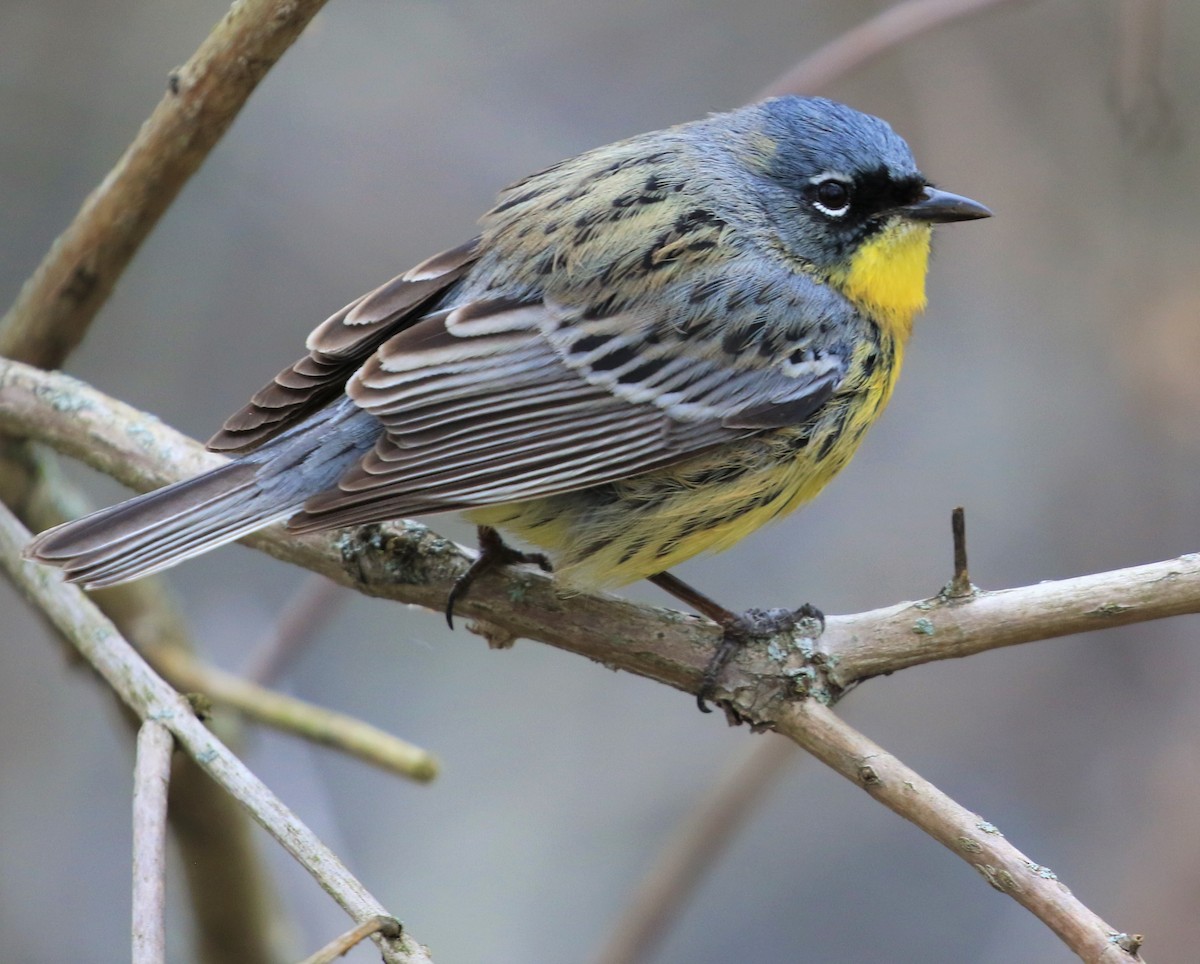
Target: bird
648, 351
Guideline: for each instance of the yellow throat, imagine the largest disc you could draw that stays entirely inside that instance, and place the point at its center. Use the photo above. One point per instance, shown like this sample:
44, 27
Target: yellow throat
886, 275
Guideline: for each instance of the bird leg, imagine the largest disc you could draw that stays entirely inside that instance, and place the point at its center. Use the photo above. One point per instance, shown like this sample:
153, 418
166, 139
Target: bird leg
737, 628
493, 552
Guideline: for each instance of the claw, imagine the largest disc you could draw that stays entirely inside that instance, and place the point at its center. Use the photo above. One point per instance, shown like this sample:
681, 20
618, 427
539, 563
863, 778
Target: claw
809, 611
493, 552
739, 628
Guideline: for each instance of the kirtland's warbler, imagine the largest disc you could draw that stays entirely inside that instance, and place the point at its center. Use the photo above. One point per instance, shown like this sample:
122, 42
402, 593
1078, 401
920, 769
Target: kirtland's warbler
650, 350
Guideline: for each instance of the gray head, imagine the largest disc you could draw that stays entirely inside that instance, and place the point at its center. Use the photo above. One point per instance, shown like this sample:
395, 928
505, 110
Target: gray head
817, 136
832, 176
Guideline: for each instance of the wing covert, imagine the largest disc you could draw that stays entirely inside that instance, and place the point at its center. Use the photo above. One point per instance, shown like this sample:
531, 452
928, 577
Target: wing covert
338, 346
498, 400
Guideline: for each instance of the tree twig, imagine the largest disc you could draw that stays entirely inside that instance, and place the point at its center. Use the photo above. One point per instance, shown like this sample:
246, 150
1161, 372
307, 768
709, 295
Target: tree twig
58, 302
834, 742
694, 846
151, 775
960, 582
293, 715
343, 943
99, 642
883, 641
889, 29
313, 603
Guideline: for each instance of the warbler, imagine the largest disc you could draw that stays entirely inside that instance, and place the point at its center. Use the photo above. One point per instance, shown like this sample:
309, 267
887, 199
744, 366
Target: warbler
649, 351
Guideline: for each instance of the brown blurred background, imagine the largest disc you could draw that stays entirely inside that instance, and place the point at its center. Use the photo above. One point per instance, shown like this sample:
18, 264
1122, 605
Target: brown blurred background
1051, 389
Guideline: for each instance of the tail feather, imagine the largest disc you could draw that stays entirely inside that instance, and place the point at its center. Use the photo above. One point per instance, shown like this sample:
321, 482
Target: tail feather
162, 528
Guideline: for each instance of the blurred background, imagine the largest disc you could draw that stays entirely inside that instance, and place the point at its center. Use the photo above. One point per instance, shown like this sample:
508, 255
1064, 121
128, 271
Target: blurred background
1051, 389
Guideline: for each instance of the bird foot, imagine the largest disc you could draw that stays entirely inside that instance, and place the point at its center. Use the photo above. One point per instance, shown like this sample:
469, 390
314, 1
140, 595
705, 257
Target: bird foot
738, 629
493, 552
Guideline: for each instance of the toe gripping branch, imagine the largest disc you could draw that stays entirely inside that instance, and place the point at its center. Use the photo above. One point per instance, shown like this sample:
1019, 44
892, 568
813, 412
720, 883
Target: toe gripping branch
493, 553
737, 628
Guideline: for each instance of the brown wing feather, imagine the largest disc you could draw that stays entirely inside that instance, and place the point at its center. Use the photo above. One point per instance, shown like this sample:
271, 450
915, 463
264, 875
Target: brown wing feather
338, 346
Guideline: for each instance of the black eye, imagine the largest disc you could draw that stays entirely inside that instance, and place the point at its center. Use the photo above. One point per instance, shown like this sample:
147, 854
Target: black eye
831, 197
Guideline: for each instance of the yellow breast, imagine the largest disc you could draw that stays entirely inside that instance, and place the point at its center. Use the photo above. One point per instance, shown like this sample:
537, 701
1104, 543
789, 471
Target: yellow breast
886, 276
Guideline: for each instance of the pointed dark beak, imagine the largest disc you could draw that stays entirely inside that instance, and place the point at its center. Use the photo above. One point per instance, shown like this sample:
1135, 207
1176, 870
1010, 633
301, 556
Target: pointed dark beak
938, 207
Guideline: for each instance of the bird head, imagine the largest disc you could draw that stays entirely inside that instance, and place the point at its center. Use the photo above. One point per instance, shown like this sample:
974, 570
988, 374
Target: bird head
847, 200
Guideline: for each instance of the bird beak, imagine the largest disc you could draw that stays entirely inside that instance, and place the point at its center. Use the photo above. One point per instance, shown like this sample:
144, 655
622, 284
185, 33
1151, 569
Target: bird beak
938, 207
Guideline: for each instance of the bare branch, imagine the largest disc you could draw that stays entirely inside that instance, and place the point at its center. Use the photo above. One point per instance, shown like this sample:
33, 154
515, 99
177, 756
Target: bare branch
98, 640
840, 746
693, 848
151, 776
292, 715
59, 301
344, 943
312, 605
960, 582
765, 685
230, 894
416, 566
890, 29
885, 640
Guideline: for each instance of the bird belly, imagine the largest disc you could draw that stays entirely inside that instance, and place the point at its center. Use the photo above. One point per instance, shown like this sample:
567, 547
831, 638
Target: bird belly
613, 534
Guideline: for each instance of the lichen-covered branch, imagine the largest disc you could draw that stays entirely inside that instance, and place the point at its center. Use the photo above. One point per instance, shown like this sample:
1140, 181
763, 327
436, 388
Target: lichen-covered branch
151, 776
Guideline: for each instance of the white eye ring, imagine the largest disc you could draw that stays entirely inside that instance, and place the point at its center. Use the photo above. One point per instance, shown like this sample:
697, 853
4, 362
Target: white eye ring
831, 196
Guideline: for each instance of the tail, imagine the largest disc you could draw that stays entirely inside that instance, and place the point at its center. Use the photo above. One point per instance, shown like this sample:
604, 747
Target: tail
163, 528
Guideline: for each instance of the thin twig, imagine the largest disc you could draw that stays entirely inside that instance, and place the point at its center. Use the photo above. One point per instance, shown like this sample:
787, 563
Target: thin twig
59, 301
99, 642
909, 634
960, 582
693, 848
231, 896
834, 742
311, 606
890, 29
344, 943
1142, 102
293, 715
151, 776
